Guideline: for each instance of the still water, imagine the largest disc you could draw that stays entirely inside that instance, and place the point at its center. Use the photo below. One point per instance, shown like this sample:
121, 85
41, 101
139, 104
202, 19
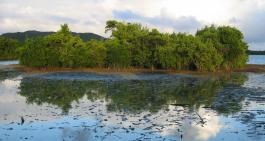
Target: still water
121, 107
257, 59
8, 62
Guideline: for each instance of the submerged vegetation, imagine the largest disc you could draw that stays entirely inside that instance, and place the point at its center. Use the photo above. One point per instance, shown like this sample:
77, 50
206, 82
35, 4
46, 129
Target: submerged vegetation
133, 46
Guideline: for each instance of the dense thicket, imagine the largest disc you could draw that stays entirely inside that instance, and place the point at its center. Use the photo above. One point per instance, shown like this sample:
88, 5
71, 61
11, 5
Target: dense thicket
132, 45
8, 48
228, 41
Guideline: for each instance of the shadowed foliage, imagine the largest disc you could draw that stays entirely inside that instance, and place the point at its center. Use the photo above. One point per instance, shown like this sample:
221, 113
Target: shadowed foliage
8, 48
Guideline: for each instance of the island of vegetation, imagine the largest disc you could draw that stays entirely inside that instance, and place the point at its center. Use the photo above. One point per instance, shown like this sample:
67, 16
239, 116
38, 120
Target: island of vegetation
132, 45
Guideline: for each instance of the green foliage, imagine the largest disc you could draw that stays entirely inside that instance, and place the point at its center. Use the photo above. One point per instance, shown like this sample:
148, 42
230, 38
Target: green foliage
132, 45
61, 49
33, 53
229, 43
96, 54
73, 52
166, 58
117, 55
8, 48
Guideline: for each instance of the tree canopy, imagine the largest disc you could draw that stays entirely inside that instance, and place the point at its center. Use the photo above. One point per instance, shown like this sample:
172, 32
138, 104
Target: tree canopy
229, 43
8, 48
133, 45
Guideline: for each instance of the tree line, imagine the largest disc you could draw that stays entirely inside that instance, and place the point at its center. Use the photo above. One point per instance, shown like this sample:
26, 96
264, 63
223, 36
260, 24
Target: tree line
136, 46
8, 48
253, 52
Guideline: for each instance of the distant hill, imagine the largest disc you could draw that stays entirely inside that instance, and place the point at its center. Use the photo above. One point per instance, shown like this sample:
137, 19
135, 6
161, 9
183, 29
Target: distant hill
22, 36
252, 52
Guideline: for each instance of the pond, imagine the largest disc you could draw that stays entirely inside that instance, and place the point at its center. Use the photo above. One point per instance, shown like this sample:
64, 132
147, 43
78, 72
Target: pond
119, 107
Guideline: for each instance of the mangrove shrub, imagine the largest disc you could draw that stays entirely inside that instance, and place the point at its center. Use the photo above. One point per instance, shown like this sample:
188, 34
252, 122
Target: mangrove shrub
132, 45
8, 48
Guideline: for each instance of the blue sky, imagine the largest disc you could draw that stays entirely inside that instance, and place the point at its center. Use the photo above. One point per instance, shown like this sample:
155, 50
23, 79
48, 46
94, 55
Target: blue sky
166, 15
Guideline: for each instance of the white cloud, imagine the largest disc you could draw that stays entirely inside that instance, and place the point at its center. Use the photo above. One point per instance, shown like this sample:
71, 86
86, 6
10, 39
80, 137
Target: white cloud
192, 131
163, 21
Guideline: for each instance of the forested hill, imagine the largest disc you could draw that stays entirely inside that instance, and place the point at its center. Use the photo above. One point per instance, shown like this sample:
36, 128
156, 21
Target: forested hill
22, 36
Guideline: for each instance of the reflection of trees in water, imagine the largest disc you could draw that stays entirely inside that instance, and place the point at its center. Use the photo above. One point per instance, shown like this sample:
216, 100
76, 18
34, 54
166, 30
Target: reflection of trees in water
137, 95
80, 134
153, 95
7, 73
60, 93
229, 98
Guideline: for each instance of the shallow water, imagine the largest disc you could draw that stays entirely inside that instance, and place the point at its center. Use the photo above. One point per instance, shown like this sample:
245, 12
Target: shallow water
9, 62
89, 106
257, 59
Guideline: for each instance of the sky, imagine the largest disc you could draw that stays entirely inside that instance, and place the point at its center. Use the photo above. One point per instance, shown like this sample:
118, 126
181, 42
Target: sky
166, 15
